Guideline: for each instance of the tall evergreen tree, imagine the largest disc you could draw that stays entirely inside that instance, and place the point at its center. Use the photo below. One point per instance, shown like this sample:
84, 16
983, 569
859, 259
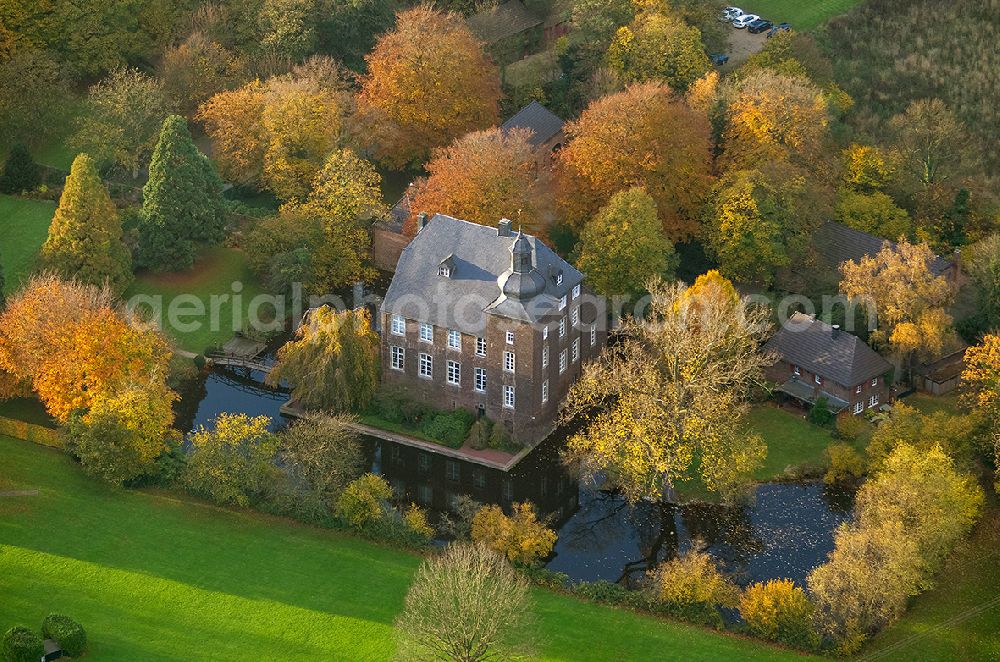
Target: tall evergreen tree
20, 172
182, 201
85, 237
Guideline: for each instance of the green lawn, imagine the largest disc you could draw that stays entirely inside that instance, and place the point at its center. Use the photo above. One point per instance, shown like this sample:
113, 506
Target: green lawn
213, 274
960, 619
25, 225
157, 576
802, 14
931, 404
791, 441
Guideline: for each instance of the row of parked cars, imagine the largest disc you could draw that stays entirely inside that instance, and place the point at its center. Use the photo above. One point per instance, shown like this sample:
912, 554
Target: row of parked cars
752, 22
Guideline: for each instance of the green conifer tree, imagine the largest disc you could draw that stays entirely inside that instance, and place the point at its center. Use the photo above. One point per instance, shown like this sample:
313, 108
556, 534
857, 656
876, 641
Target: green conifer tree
85, 237
20, 172
182, 201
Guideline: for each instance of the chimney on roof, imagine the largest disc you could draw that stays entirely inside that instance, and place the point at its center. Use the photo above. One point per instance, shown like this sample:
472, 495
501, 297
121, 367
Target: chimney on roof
836, 331
421, 221
504, 227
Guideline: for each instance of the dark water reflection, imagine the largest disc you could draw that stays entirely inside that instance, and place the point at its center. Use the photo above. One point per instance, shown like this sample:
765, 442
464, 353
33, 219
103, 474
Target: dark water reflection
785, 531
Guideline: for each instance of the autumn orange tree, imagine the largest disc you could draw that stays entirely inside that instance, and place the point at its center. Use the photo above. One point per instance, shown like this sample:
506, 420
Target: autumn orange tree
982, 376
90, 362
668, 401
645, 137
909, 299
428, 82
481, 177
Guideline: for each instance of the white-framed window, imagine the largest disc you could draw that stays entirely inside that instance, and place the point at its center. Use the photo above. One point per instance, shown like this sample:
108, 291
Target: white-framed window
454, 372
874, 381
872, 401
562, 361
454, 339
443, 270
545, 332
562, 302
426, 366
559, 278
857, 389
576, 291
545, 391
796, 370
593, 335
576, 350
575, 316
508, 361
426, 332
817, 379
480, 382
397, 358
398, 325
510, 337
480, 346
508, 397
545, 356
859, 407
562, 327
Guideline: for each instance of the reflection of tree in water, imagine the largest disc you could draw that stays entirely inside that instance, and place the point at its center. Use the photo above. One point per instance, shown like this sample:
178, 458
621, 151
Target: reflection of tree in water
727, 531
657, 541
839, 498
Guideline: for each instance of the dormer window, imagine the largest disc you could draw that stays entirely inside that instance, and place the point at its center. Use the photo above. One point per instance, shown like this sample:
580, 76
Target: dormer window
559, 278
447, 267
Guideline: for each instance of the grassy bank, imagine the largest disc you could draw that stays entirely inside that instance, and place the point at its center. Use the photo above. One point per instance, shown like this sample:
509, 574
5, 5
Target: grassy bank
219, 272
25, 226
156, 576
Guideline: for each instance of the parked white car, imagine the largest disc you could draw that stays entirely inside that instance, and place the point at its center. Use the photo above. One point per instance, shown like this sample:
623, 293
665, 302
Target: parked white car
744, 20
730, 13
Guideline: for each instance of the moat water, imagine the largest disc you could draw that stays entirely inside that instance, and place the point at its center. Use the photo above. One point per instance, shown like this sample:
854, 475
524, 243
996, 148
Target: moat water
784, 530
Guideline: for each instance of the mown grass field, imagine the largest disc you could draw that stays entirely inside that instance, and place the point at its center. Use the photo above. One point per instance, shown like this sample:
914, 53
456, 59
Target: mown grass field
802, 14
792, 441
214, 274
156, 576
24, 225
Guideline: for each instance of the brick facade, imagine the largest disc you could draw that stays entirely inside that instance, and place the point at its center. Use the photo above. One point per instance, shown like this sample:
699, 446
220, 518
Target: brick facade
859, 396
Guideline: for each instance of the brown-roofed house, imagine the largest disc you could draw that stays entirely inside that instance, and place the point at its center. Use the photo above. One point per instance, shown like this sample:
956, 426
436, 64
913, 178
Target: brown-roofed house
817, 359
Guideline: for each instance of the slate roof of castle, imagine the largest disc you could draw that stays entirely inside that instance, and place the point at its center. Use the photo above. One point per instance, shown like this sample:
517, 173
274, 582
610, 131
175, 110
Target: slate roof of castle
482, 262
835, 355
541, 121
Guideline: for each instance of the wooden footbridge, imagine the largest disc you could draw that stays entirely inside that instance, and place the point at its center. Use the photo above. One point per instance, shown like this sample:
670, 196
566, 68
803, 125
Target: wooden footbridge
241, 352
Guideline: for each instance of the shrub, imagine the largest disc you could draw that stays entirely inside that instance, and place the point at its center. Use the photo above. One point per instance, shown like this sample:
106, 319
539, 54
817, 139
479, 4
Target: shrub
362, 501
820, 413
416, 519
450, 428
845, 464
780, 611
234, 462
20, 172
22, 645
479, 434
852, 428
691, 587
324, 452
71, 636
458, 524
412, 411
521, 537
500, 438
389, 405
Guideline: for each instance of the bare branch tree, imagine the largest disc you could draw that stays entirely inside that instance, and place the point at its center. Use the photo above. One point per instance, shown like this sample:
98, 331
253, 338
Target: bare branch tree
465, 605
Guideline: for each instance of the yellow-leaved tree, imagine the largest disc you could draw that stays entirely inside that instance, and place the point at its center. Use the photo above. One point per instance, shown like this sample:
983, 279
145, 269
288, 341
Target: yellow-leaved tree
521, 537
657, 45
668, 401
909, 299
982, 376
